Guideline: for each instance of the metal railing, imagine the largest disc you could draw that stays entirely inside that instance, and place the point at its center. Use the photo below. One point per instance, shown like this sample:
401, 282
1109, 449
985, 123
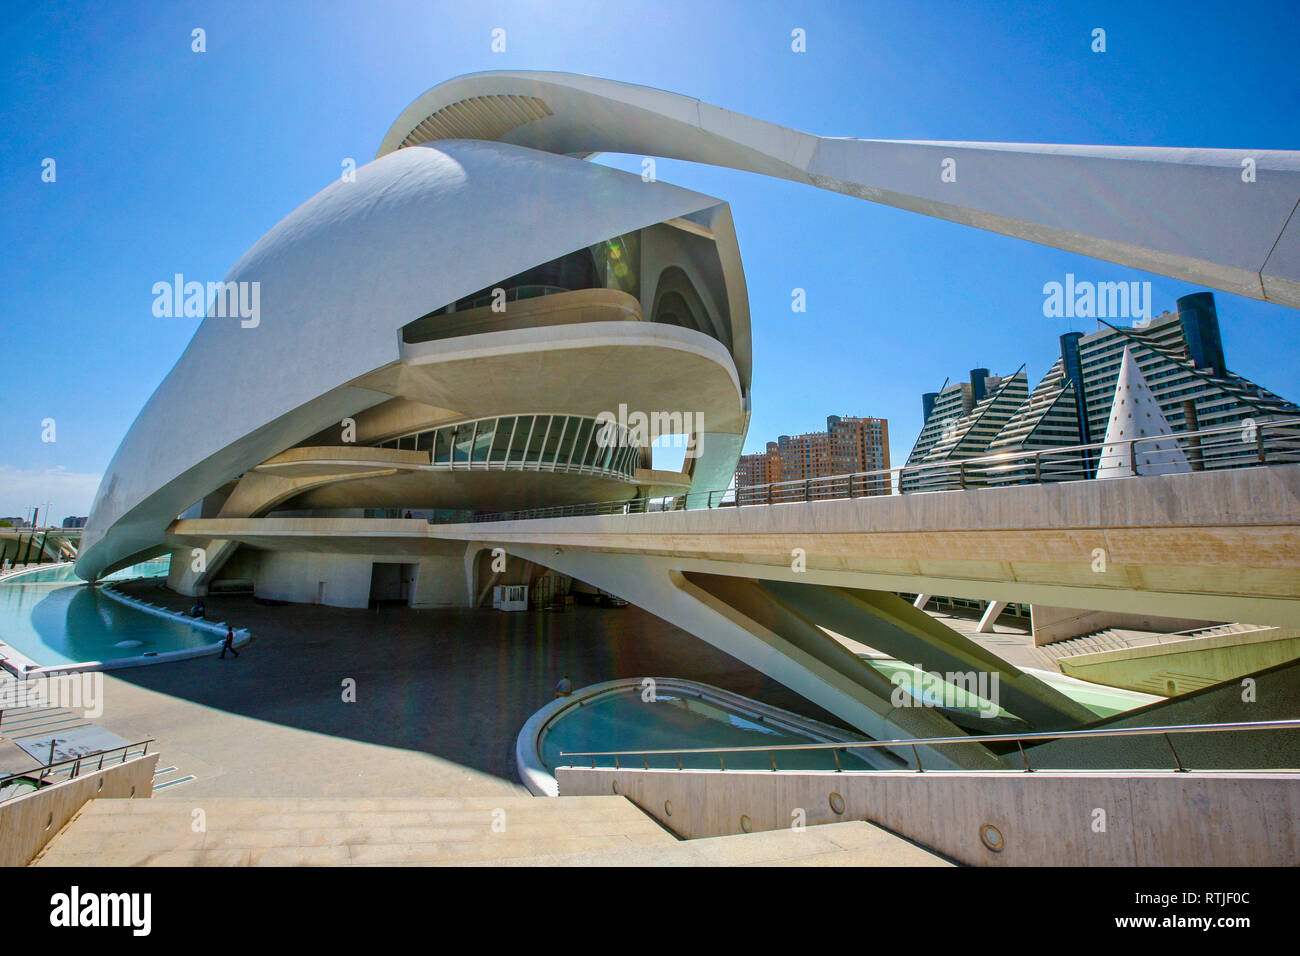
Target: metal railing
72, 767
1018, 739
1210, 449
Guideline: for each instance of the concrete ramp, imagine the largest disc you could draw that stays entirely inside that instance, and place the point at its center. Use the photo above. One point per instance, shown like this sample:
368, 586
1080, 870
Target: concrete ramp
890, 624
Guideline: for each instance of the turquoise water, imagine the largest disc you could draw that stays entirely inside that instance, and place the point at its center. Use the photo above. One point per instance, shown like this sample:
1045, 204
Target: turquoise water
52, 620
622, 721
154, 568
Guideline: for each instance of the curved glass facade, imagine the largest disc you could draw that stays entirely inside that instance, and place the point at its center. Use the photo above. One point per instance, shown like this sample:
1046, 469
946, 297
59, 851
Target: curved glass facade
611, 264
559, 443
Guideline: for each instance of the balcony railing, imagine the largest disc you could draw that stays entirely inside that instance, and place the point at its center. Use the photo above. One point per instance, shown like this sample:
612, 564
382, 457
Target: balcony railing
913, 742
1211, 449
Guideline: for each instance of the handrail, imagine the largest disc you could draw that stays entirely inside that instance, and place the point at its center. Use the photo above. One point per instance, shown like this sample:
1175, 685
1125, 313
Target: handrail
1041, 466
74, 763
1288, 724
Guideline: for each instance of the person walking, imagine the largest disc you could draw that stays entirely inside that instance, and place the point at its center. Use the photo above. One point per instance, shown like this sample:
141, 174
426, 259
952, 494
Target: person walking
229, 644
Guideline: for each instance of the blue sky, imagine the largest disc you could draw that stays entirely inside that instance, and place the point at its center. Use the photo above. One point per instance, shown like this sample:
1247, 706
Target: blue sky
171, 161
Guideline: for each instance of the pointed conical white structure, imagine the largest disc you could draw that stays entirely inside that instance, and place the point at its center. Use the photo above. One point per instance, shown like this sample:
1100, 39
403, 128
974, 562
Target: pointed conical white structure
1135, 414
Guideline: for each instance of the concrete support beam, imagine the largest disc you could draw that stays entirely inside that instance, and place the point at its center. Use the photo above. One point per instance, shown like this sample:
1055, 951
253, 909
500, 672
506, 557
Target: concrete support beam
889, 624
838, 683
990, 616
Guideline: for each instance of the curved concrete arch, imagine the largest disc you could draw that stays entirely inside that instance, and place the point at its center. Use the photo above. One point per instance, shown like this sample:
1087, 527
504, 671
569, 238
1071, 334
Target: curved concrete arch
1185, 213
339, 277
674, 282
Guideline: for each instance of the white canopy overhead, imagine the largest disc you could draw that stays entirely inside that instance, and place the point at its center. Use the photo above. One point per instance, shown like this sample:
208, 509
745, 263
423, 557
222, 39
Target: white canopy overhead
1223, 218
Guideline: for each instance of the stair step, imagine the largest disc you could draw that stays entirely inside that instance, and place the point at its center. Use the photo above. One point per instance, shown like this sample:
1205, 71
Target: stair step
852, 843
334, 831
565, 831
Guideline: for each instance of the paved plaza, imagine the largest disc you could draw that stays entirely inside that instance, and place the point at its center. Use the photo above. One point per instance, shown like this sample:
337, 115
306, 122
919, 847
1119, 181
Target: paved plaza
440, 694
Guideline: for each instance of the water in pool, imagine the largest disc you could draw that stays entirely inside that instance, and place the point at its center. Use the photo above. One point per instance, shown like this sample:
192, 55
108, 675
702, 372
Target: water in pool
620, 720
52, 618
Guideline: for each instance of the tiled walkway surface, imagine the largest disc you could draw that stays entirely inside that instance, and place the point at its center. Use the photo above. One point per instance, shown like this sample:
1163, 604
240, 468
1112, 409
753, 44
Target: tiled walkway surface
440, 695
524, 831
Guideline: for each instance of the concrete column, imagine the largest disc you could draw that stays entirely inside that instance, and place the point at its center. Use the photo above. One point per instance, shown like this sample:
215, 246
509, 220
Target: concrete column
991, 614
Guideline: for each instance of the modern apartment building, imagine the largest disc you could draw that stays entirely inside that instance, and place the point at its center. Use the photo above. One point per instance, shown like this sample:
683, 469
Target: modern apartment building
847, 446
1180, 355
962, 419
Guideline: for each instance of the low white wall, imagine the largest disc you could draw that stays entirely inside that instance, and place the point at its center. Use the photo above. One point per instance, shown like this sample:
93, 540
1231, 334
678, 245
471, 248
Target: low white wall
296, 575
1045, 818
29, 822
440, 582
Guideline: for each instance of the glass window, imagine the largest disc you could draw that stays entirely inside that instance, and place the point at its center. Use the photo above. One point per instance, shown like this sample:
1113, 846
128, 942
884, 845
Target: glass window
522, 430
605, 455
553, 439
618, 261
582, 440
483, 440
540, 427
442, 445
461, 443
501, 439
424, 441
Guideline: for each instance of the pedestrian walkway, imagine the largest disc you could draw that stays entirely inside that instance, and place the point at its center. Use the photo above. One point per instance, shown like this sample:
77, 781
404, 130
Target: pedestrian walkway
521, 831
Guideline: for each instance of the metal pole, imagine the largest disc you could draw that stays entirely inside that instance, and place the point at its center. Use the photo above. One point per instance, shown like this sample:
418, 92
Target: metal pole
1025, 757
1181, 768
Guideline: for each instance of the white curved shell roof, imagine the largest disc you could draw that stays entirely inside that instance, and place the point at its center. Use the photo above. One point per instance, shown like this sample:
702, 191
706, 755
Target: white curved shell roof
1180, 212
339, 277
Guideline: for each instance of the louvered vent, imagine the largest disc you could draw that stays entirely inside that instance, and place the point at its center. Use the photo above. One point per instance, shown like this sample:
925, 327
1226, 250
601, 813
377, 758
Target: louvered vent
479, 117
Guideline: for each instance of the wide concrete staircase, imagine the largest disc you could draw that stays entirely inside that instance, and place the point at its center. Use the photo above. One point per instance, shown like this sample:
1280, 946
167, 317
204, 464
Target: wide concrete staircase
524, 831
1116, 639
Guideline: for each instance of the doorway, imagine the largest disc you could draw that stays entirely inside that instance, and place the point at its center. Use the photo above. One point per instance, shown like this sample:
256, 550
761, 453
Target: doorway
391, 583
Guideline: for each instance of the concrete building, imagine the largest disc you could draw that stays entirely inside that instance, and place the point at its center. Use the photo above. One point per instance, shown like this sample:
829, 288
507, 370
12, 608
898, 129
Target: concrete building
848, 445
962, 420
502, 302
1180, 356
